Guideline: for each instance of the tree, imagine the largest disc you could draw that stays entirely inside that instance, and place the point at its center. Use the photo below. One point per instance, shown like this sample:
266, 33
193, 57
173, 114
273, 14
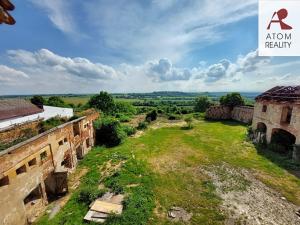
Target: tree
109, 132
38, 101
103, 102
56, 101
201, 104
232, 100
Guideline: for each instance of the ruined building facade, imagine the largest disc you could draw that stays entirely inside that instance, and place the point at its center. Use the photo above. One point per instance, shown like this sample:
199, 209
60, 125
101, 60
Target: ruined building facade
277, 111
36, 170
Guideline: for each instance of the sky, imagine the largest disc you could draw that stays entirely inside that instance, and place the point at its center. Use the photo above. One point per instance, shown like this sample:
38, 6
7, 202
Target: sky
60, 47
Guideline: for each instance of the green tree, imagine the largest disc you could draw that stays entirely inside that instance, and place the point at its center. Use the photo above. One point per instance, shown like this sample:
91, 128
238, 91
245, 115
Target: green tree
201, 104
232, 100
109, 132
56, 101
37, 100
103, 102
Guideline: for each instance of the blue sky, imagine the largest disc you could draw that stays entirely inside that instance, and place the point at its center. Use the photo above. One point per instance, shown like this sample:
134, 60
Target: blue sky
137, 46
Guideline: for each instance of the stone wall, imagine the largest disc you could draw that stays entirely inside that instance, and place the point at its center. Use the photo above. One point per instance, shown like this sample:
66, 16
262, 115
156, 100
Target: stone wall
242, 113
14, 132
218, 113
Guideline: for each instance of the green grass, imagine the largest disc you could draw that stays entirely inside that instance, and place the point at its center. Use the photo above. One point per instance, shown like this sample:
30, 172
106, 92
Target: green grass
165, 163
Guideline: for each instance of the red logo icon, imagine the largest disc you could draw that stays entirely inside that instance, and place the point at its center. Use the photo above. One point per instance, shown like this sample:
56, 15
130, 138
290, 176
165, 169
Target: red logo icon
281, 14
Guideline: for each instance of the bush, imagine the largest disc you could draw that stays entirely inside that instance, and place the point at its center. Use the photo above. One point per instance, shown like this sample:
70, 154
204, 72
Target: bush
56, 101
88, 194
189, 122
142, 125
174, 117
123, 118
151, 116
201, 104
109, 132
124, 107
51, 123
129, 130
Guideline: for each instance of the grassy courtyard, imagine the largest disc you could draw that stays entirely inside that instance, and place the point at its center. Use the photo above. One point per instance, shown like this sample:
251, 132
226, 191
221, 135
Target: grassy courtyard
170, 166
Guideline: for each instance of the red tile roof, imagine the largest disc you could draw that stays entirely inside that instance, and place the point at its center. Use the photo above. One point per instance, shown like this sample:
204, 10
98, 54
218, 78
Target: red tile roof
281, 94
12, 108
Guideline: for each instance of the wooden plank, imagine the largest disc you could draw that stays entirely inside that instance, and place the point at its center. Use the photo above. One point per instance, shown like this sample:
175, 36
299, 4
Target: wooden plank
106, 207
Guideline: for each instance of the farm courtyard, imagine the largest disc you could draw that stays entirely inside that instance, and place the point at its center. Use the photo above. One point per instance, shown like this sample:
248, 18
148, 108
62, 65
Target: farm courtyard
210, 171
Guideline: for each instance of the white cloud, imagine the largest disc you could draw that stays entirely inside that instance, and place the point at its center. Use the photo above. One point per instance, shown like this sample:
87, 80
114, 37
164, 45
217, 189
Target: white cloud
59, 13
47, 60
164, 29
8, 73
163, 70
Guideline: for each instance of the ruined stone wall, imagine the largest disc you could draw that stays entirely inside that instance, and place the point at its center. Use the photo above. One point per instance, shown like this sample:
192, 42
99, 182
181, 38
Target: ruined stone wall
242, 114
218, 113
42, 157
14, 132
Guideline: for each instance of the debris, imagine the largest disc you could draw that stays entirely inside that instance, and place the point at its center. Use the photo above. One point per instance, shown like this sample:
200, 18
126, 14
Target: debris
177, 213
102, 207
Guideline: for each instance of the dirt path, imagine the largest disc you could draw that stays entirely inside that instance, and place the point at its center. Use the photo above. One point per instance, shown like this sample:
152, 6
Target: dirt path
247, 200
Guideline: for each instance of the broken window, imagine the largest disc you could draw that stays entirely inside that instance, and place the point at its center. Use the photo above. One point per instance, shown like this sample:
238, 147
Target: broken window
76, 129
60, 142
21, 169
264, 108
4, 181
32, 162
286, 116
87, 141
43, 155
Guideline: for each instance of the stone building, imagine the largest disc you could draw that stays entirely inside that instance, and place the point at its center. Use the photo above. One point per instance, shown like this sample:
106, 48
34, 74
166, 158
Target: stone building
35, 171
277, 111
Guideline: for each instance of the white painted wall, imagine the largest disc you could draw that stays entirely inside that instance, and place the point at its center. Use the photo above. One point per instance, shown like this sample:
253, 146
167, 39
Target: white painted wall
49, 112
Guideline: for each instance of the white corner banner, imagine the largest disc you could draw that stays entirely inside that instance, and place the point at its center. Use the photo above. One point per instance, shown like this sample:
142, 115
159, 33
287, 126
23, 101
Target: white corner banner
279, 28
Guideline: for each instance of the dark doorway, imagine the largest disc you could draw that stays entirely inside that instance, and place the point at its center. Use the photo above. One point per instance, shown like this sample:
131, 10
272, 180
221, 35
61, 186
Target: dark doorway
282, 141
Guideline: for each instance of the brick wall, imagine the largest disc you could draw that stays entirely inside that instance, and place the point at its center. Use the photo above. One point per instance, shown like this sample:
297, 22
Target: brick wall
14, 132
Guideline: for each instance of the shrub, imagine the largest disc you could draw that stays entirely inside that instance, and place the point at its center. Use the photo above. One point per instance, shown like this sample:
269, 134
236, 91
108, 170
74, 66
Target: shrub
189, 122
142, 125
122, 118
109, 132
51, 123
129, 130
56, 101
151, 116
124, 107
88, 194
174, 117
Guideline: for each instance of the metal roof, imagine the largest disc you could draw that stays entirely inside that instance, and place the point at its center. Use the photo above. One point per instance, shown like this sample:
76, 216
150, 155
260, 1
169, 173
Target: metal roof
13, 108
